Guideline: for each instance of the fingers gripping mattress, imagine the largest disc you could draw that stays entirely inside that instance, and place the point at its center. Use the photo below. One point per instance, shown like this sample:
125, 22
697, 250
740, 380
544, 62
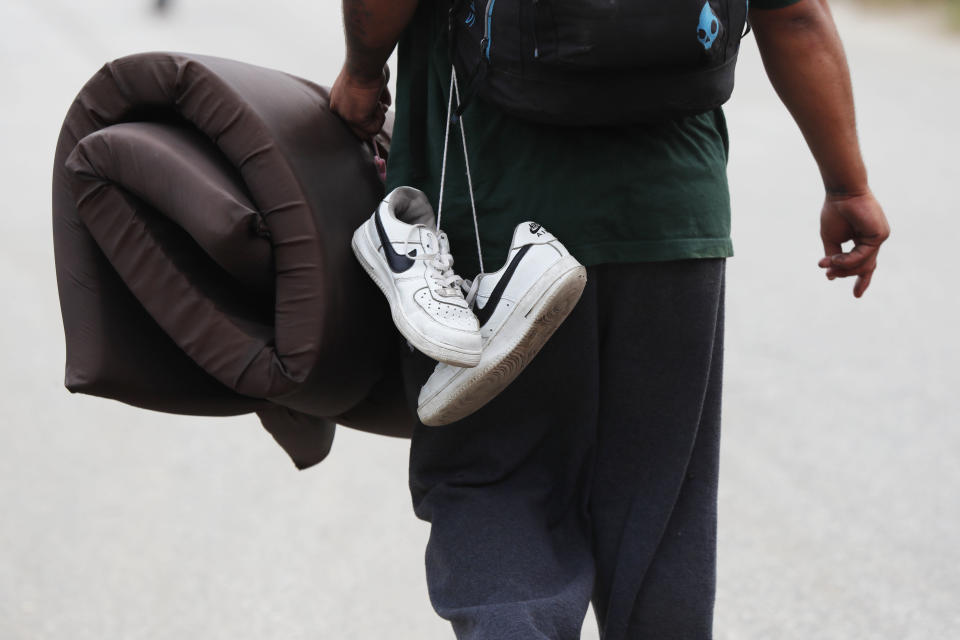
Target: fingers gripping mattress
202, 215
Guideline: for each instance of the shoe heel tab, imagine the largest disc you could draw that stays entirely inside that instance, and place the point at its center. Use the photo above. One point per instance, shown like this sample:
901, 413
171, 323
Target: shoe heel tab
530, 232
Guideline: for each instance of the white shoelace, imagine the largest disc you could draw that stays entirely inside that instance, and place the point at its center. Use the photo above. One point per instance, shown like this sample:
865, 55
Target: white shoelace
455, 91
439, 262
470, 288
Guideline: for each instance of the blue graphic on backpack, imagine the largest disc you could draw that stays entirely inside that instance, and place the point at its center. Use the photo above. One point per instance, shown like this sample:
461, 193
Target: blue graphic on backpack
709, 27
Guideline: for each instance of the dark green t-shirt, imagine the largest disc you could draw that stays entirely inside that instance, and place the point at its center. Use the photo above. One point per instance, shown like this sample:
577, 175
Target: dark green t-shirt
613, 194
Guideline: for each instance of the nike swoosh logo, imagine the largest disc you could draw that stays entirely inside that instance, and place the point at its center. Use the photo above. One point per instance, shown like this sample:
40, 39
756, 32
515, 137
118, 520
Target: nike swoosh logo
397, 261
483, 314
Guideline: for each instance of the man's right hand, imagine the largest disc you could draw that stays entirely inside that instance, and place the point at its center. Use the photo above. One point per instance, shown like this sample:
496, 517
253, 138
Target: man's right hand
361, 102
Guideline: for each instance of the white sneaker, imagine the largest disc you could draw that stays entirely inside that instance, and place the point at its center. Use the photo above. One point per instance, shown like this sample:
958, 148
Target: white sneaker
412, 265
519, 307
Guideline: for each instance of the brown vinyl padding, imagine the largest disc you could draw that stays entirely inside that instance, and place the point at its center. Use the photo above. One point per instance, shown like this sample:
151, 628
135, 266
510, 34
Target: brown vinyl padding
202, 214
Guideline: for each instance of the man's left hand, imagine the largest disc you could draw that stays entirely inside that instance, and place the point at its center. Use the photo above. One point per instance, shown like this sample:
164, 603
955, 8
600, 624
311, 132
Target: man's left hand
852, 217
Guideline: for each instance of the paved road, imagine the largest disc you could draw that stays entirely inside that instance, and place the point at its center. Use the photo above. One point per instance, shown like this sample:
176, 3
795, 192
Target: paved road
839, 490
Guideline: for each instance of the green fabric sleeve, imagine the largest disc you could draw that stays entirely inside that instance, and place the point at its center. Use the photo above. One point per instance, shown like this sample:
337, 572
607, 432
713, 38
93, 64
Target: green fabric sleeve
771, 4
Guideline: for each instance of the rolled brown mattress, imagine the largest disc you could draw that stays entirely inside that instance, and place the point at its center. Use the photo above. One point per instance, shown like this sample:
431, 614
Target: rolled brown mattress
202, 214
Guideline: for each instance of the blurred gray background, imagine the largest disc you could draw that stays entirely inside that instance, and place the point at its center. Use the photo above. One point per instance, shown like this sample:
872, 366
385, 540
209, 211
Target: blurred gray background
839, 508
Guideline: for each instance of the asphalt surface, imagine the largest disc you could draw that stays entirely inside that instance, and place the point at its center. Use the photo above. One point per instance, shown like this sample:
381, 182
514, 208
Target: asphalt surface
839, 509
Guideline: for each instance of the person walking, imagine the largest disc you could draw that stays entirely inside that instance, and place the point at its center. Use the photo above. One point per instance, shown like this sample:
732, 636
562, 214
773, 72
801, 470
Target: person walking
593, 477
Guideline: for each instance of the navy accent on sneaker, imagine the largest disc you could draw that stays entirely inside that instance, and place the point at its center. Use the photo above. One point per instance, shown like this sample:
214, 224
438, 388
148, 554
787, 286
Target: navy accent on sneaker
483, 313
397, 261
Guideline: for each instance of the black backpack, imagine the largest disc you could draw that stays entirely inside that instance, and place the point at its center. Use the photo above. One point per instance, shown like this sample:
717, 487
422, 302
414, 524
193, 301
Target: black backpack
597, 62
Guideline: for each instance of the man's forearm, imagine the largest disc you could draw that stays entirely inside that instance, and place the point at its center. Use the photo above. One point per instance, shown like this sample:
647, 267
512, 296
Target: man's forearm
806, 64
372, 29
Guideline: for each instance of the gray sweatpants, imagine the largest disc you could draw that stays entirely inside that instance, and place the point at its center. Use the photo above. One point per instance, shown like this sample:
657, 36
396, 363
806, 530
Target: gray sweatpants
592, 477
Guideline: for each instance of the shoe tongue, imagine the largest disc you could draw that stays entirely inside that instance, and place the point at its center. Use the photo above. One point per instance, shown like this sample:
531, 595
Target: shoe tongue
443, 242
430, 241
530, 232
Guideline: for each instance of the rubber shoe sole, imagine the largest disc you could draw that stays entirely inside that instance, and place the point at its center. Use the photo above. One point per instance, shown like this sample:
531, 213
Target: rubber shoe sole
470, 389
439, 351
